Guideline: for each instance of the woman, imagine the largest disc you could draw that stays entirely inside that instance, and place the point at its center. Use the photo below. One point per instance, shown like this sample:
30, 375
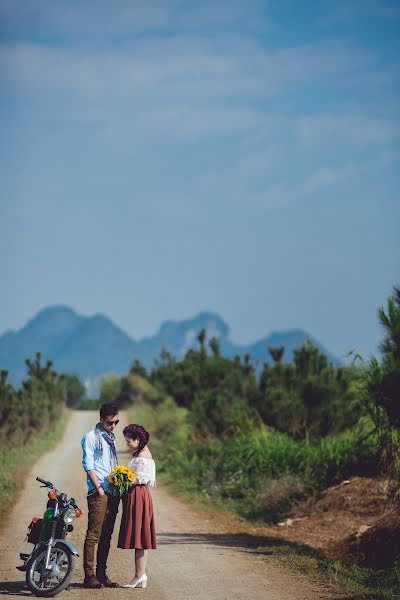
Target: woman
137, 529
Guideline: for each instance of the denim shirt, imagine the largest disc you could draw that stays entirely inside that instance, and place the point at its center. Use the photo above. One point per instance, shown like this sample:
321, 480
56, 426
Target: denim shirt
93, 460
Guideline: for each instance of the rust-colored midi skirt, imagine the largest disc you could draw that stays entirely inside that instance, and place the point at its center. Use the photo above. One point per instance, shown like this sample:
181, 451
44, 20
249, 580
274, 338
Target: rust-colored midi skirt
138, 528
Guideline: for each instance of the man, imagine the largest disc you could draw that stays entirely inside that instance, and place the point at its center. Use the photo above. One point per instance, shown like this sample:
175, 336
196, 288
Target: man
99, 458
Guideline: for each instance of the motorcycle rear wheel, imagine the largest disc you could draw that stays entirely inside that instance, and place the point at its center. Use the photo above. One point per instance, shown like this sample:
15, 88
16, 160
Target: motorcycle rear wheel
62, 567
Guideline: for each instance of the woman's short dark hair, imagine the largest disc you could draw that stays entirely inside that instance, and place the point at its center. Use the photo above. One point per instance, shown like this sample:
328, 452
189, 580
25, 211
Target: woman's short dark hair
108, 410
134, 432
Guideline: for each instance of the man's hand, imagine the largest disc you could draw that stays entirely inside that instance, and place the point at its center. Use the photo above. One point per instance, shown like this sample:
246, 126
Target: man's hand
94, 479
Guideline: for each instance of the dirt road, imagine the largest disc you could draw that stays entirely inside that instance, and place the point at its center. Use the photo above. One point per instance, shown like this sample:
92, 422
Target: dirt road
196, 558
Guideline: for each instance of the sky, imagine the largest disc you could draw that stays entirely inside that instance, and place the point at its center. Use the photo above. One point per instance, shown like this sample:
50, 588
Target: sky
158, 159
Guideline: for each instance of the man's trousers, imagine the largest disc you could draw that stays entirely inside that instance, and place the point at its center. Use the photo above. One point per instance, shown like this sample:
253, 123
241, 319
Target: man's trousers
102, 512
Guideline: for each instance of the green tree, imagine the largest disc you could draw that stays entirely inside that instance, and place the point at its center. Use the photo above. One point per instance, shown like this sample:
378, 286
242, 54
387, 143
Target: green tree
37, 370
110, 389
138, 369
201, 338
277, 353
73, 389
34, 407
214, 345
216, 389
309, 397
382, 390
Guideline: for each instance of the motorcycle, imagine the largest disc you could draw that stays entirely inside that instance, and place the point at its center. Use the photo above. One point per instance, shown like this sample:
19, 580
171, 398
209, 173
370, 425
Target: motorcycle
50, 566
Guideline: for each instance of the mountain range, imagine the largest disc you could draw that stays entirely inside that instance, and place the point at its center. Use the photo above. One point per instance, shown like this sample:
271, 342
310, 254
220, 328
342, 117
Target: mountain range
93, 346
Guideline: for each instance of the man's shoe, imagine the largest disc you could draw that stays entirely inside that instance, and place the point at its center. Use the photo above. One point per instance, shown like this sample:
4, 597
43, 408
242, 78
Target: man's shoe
92, 582
107, 582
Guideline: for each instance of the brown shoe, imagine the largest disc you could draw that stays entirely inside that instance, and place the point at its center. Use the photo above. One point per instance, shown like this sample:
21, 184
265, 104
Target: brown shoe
106, 582
92, 582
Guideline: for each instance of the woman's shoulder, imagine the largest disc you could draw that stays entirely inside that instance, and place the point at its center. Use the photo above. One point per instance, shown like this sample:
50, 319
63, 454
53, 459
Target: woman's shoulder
145, 457
145, 453
142, 456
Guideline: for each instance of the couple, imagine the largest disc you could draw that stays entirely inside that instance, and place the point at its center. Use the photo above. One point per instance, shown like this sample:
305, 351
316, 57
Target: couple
137, 529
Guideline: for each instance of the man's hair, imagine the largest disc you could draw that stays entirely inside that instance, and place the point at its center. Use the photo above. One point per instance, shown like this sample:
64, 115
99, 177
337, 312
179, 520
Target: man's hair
108, 410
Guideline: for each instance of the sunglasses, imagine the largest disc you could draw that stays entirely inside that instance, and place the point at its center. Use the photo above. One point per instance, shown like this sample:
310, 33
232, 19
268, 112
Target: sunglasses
112, 422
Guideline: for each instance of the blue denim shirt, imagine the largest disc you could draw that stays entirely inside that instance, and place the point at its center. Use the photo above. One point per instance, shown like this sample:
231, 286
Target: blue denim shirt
93, 460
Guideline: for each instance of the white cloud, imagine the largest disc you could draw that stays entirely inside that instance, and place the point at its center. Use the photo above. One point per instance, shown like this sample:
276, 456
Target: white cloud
168, 73
185, 91
123, 20
347, 129
317, 187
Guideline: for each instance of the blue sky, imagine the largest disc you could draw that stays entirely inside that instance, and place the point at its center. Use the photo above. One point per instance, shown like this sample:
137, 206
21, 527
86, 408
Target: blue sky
162, 158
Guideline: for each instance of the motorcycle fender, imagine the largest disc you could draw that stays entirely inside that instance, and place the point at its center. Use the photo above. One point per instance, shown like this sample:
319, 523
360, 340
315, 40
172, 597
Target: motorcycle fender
70, 546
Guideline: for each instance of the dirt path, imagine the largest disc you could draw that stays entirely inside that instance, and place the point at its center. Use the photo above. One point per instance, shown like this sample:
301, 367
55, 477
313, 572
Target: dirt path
196, 558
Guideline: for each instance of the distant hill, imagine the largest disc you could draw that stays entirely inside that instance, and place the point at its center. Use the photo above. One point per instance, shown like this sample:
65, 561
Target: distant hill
93, 346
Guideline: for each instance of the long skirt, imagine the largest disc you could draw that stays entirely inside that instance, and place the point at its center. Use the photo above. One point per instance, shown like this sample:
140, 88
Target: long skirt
138, 528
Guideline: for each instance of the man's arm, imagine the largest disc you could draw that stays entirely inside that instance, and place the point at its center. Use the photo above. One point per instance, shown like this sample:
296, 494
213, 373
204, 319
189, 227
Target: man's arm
88, 462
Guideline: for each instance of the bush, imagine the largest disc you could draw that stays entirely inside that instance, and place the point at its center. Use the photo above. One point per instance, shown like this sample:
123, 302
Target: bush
261, 472
34, 407
272, 498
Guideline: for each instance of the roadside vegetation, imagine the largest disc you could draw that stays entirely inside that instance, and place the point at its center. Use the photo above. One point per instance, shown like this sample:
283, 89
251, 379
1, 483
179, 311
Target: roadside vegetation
32, 419
259, 443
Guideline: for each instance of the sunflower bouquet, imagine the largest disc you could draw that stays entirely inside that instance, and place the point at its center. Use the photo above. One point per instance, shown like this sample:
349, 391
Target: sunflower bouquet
122, 478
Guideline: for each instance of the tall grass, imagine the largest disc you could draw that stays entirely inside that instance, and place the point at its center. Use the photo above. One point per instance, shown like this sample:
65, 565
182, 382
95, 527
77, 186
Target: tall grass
260, 473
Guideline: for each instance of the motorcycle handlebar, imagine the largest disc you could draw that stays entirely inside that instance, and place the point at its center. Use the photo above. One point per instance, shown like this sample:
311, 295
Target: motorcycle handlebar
50, 485
46, 483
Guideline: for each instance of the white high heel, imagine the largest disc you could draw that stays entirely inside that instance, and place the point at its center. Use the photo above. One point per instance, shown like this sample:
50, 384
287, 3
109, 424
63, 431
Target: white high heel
142, 582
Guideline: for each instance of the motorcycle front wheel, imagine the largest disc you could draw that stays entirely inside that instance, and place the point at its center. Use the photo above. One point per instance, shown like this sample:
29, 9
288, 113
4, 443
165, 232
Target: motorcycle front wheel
51, 581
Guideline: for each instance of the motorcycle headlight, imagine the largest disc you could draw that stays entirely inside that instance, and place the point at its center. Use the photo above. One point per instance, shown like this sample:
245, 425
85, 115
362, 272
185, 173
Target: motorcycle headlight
69, 515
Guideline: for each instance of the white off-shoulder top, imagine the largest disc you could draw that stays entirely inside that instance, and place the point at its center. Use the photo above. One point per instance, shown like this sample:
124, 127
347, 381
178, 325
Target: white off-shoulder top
145, 470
